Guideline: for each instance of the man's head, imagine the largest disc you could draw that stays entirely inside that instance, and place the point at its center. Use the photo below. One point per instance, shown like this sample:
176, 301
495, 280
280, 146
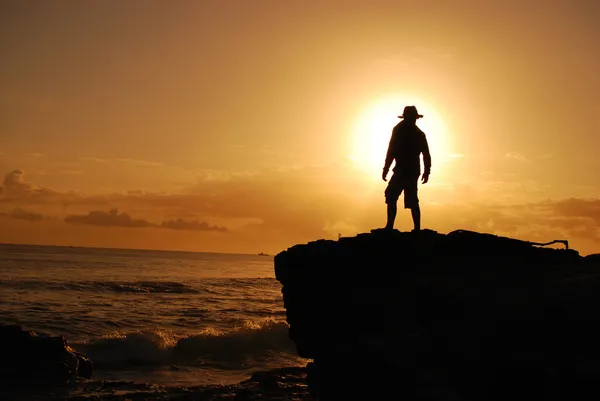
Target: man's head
410, 114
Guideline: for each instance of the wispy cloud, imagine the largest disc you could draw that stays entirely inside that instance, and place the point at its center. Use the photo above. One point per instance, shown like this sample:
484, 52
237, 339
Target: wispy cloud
21, 214
588, 209
301, 204
517, 156
132, 162
140, 163
14, 183
571, 219
71, 172
16, 189
112, 218
35, 155
92, 159
181, 224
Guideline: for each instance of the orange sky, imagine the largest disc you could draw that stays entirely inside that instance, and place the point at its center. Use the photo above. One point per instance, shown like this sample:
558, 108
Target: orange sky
249, 126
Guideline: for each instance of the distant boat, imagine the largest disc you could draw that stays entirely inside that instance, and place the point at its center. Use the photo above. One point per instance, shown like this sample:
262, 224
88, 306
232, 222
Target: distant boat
263, 254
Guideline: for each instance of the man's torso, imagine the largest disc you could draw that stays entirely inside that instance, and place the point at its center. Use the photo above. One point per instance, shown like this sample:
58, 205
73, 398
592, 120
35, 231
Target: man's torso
408, 147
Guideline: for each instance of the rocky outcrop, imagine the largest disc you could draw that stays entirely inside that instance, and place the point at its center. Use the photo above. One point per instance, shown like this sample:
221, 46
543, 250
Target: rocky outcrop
34, 358
425, 315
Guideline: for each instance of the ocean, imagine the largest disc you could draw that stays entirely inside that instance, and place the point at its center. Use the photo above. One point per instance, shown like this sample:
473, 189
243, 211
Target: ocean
162, 317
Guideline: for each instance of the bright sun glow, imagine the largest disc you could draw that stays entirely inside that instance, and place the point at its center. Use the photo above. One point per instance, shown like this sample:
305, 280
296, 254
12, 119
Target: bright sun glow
373, 128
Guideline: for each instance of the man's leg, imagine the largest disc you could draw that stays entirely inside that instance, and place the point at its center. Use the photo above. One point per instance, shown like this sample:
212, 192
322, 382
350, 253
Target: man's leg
411, 201
392, 209
416, 216
392, 193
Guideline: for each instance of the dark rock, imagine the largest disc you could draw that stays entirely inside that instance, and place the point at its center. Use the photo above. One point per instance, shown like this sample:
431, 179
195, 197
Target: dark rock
278, 375
593, 259
36, 358
428, 315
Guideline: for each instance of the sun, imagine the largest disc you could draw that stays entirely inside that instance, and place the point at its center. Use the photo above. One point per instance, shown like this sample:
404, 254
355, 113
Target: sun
373, 128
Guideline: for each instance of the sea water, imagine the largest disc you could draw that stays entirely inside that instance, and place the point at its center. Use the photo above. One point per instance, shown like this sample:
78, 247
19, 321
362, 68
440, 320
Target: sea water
170, 318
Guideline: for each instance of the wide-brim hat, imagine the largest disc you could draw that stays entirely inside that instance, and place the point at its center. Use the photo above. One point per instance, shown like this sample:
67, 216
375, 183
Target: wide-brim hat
410, 111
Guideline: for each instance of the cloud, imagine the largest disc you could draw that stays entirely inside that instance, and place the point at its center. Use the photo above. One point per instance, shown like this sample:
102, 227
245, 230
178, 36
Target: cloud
303, 200
588, 209
517, 156
94, 159
14, 183
133, 162
71, 172
181, 224
140, 163
15, 189
112, 218
577, 220
289, 201
21, 214
294, 205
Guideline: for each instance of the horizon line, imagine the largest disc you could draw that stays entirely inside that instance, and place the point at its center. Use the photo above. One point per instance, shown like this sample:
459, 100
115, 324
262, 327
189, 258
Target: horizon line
131, 249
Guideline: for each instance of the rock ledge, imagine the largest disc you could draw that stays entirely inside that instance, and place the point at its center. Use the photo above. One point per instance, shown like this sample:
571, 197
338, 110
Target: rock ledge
461, 315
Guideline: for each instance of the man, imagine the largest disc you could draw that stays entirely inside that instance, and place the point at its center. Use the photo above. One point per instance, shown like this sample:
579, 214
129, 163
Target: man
406, 145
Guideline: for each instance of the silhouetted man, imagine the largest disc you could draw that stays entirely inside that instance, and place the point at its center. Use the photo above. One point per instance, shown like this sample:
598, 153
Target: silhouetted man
406, 145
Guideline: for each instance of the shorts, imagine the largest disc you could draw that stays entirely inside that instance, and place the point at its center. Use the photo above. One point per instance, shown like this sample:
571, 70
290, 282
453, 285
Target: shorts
399, 183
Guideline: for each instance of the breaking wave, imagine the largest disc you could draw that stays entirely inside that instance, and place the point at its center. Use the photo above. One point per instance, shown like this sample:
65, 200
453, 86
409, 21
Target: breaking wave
209, 347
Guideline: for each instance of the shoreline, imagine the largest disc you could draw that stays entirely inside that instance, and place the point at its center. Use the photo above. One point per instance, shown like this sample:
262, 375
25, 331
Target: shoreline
277, 384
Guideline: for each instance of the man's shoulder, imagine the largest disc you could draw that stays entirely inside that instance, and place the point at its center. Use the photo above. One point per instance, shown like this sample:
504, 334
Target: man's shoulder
413, 131
421, 134
408, 130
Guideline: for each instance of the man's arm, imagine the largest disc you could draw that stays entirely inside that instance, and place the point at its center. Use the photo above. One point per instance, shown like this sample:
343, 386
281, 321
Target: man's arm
389, 157
426, 159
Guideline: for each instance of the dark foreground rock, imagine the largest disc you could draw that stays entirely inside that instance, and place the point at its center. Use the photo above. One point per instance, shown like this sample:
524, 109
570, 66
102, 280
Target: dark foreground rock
31, 359
429, 316
282, 384
38, 367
